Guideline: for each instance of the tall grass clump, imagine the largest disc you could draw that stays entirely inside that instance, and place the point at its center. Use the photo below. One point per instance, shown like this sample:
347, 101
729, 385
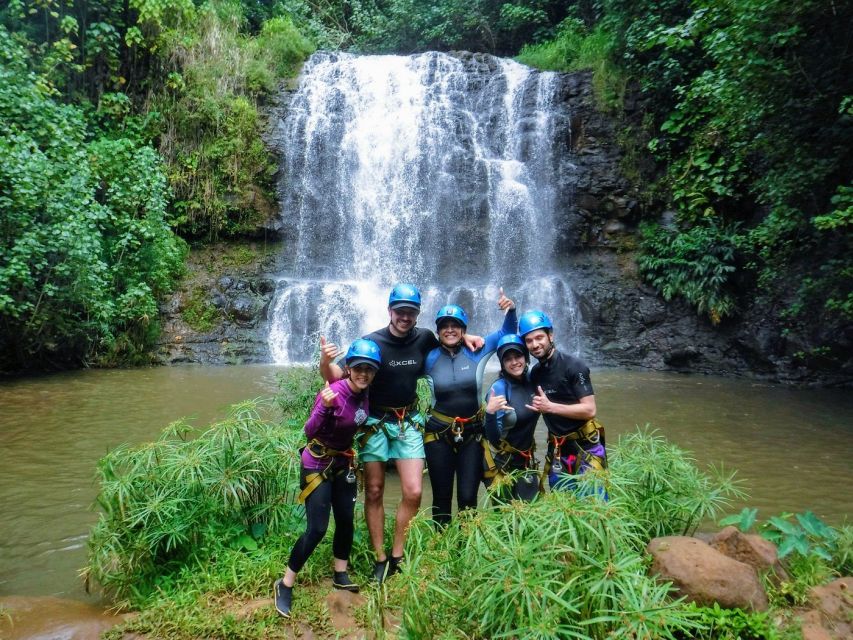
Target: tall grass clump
569, 565
578, 48
564, 566
661, 488
176, 501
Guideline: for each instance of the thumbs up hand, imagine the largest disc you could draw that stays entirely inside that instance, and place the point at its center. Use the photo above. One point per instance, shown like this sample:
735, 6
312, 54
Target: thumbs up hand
504, 303
328, 351
328, 396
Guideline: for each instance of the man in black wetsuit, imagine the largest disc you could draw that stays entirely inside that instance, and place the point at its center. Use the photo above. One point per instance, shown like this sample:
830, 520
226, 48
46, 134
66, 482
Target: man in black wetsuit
565, 398
395, 427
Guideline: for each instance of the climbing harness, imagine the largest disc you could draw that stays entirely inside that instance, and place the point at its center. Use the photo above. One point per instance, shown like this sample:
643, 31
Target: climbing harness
314, 479
455, 426
591, 432
404, 416
506, 449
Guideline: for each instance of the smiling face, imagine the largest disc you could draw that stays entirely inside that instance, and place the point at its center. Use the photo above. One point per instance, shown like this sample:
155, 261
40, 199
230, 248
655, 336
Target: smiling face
403, 320
513, 363
450, 333
360, 376
539, 343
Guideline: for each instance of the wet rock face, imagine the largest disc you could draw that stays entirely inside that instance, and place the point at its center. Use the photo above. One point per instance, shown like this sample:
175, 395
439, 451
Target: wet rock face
234, 301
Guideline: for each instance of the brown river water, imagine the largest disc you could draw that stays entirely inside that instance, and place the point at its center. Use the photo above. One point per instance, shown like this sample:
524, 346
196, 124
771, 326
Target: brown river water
792, 447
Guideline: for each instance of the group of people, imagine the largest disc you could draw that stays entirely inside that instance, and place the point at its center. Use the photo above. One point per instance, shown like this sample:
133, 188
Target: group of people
367, 415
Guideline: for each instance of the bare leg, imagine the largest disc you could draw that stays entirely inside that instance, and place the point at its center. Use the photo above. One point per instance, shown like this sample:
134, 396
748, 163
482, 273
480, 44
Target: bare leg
340, 565
289, 577
411, 473
374, 509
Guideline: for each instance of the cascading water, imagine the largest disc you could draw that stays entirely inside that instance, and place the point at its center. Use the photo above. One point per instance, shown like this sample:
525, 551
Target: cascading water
431, 169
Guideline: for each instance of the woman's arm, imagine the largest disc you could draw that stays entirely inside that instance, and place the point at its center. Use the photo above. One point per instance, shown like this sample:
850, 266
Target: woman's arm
323, 414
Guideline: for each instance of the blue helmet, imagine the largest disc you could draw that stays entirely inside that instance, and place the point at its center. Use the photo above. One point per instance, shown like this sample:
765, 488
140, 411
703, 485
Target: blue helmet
453, 312
533, 320
511, 342
404, 295
363, 351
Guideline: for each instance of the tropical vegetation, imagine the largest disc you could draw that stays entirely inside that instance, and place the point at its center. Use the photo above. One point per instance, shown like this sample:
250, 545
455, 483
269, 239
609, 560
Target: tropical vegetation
200, 522
748, 112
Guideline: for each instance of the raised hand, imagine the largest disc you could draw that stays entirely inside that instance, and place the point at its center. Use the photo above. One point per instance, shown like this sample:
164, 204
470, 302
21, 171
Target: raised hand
328, 351
497, 403
504, 303
540, 402
328, 396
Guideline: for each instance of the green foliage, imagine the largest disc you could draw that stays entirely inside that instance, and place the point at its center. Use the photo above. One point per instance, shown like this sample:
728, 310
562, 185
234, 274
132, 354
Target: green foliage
718, 623
297, 390
173, 502
403, 26
743, 520
577, 47
811, 551
660, 487
753, 111
698, 263
803, 573
219, 168
85, 247
563, 566
807, 535
198, 312
567, 565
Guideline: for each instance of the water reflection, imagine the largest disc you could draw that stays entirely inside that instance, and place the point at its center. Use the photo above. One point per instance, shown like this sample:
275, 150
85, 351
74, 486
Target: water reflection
792, 446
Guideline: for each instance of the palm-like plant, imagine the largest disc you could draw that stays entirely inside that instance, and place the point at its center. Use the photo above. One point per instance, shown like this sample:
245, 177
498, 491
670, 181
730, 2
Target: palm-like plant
172, 501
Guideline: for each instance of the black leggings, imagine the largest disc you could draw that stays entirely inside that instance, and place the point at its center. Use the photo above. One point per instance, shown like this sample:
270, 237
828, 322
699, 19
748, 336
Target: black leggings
335, 494
466, 464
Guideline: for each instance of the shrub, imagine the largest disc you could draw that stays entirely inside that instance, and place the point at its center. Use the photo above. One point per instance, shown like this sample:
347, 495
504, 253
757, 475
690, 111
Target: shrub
577, 48
84, 247
567, 565
563, 566
698, 264
173, 502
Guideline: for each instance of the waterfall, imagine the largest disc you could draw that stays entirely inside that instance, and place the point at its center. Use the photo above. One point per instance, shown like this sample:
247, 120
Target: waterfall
431, 169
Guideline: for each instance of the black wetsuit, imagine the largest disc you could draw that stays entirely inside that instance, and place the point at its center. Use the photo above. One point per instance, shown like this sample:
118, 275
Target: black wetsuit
516, 428
396, 382
565, 380
456, 381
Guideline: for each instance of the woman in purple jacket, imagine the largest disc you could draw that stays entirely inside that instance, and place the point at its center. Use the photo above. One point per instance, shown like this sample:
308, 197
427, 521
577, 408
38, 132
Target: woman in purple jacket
328, 469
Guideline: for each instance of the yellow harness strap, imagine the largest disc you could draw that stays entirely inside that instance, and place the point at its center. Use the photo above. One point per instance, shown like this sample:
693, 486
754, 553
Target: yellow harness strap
505, 447
589, 431
313, 480
455, 424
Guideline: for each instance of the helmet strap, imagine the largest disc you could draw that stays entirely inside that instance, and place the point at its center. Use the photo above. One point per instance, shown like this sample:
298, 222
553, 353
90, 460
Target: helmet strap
551, 347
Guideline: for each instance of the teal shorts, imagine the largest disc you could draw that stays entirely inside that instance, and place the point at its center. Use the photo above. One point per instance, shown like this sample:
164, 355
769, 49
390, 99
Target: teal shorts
389, 444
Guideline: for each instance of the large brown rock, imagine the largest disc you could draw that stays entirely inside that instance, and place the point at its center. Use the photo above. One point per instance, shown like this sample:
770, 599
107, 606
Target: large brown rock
750, 549
832, 615
704, 575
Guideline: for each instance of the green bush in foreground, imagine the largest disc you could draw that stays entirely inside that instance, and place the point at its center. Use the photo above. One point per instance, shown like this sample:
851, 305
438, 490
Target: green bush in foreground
178, 501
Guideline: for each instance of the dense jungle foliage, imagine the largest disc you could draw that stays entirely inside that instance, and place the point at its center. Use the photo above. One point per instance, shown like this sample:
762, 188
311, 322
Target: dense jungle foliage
748, 111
